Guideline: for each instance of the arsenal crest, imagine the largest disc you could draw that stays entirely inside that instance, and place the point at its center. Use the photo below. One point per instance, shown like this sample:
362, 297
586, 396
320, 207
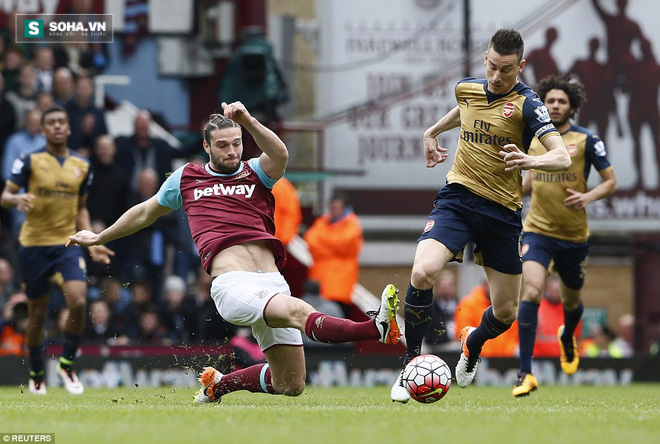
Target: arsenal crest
572, 149
508, 109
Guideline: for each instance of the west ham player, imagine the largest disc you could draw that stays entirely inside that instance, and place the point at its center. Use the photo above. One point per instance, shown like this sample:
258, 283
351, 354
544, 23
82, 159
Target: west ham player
482, 201
556, 234
55, 180
230, 211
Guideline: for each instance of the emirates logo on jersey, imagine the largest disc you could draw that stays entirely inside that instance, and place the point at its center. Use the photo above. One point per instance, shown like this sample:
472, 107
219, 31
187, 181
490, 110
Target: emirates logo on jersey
572, 149
508, 109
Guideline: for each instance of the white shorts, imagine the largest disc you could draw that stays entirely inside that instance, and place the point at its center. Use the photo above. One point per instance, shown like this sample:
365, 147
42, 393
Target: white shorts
241, 298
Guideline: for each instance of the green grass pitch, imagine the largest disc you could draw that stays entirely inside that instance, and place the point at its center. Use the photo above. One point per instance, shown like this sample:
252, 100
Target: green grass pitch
553, 414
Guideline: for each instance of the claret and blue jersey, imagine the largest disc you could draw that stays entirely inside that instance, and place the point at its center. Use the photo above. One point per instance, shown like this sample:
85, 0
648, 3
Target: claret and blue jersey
224, 209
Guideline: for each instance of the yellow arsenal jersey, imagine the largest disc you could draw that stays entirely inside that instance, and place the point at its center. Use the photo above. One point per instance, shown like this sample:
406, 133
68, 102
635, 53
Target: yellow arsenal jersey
547, 214
488, 122
57, 184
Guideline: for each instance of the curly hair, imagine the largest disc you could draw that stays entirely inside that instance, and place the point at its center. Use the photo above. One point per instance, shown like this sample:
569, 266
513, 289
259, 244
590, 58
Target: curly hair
567, 83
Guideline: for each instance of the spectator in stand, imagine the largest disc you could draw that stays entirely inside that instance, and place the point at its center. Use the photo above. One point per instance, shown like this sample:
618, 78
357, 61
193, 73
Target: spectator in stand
211, 327
13, 60
441, 331
116, 295
600, 343
44, 101
8, 284
151, 331
109, 193
25, 96
87, 121
335, 240
28, 139
469, 311
55, 330
8, 122
12, 330
624, 341
82, 58
44, 63
109, 196
178, 312
288, 215
146, 248
141, 299
7, 128
64, 86
140, 151
101, 327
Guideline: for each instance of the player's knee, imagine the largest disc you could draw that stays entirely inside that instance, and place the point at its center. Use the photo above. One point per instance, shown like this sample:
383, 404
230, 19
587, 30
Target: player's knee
507, 312
532, 293
38, 315
290, 388
299, 310
295, 390
422, 277
77, 306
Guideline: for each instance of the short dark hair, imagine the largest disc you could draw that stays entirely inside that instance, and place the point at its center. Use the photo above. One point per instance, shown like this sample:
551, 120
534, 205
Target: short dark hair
53, 109
506, 42
217, 122
567, 83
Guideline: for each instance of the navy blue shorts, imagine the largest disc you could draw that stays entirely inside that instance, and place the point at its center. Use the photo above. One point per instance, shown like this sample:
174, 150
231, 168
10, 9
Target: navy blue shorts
460, 216
568, 259
45, 266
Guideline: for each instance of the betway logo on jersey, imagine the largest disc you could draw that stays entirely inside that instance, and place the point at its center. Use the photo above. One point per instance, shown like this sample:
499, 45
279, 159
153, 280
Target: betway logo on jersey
224, 190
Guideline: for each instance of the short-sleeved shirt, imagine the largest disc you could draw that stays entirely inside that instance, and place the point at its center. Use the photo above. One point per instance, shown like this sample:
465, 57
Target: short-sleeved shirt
224, 209
488, 122
548, 215
57, 183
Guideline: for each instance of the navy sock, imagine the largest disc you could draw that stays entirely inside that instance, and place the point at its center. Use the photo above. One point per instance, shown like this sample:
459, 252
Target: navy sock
36, 363
528, 316
571, 320
489, 328
417, 314
69, 349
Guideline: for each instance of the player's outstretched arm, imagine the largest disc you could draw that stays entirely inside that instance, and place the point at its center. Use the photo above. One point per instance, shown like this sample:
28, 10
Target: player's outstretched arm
555, 159
134, 219
275, 155
99, 253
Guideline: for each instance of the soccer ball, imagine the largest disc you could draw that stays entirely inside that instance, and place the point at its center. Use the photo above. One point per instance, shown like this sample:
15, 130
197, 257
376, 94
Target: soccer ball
427, 378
